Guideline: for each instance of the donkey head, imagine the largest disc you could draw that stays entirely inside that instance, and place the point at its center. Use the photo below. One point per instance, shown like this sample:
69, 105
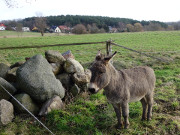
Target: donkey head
100, 72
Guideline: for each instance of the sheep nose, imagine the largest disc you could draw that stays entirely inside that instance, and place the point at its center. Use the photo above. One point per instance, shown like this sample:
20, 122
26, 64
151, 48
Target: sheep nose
92, 90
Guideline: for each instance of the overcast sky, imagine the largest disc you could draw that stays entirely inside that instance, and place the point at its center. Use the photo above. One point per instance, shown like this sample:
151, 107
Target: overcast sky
159, 10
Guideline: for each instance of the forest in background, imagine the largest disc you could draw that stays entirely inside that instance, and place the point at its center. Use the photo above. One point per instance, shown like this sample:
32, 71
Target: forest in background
100, 21
96, 24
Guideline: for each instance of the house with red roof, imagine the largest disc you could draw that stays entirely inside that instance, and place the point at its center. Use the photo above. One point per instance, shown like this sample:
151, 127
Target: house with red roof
2, 26
64, 29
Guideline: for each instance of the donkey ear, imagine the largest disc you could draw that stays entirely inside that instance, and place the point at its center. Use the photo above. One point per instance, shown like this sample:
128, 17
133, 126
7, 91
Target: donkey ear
98, 56
107, 59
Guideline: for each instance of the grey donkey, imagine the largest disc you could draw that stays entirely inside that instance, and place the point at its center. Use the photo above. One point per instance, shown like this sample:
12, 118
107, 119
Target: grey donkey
123, 86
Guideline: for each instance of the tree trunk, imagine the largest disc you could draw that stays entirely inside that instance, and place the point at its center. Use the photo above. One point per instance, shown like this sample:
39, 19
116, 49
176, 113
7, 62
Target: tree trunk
42, 33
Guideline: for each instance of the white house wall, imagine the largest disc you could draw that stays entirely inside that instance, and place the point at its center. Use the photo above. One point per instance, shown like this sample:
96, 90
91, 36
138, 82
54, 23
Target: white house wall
57, 30
2, 28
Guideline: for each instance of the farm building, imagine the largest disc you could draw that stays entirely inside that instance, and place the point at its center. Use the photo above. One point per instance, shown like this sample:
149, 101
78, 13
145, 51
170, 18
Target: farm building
112, 29
2, 26
64, 29
34, 29
55, 29
25, 29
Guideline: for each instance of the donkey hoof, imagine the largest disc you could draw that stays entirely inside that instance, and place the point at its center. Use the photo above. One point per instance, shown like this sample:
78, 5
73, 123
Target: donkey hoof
126, 126
118, 126
142, 119
148, 119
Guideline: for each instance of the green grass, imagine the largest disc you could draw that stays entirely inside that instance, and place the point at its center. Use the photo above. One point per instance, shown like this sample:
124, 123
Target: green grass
14, 34
7, 34
145, 42
93, 114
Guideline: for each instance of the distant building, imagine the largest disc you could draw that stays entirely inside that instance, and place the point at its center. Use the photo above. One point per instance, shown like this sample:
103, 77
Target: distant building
64, 29
13, 28
34, 29
25, 29
55, 29
2, 26
112, 30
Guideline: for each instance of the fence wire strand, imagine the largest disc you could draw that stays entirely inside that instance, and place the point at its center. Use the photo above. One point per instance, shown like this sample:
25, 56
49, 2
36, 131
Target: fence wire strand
26, 110
160, 59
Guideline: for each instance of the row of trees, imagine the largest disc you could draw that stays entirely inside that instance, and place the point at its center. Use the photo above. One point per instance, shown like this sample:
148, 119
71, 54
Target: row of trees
92, 24
101, 22
95, 24
81, 29
175, 25
137, 27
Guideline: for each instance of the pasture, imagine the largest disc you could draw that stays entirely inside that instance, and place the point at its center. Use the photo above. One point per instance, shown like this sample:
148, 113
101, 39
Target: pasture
92, 114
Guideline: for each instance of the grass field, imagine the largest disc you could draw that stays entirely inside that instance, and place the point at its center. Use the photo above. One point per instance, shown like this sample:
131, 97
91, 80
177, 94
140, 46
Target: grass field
14, 34
93, 114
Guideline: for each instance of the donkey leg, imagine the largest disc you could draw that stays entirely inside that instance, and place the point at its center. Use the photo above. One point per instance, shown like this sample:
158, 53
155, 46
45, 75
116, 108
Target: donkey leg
144, 105
150, 103
117, 109
125, 113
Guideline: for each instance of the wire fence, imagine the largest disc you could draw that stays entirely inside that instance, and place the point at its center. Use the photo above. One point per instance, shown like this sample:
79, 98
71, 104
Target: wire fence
40, 46
26, 109
83, 52
142, 53
15, 54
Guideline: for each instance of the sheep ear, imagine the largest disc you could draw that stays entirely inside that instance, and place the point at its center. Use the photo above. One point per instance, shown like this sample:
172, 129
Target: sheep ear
107, 59
98, 56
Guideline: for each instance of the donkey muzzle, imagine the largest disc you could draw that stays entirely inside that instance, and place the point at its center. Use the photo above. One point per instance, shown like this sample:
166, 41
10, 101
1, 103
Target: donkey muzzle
93, 88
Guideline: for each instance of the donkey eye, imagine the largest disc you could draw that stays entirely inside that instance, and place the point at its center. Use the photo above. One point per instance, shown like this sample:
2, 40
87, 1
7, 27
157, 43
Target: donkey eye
101, 71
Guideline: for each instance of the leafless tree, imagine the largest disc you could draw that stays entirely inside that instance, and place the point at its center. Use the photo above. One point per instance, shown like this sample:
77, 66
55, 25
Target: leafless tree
177, 25
89, 28
122, 27
94, 28
153, 27
11, 3
29, 23
40, 23
19, 29
14, 3
170, 28
102, 30
173, 25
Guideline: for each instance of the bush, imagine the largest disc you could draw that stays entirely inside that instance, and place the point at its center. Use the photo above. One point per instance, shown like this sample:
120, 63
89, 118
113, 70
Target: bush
94, 29
138, 27
130, 28
79, 29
